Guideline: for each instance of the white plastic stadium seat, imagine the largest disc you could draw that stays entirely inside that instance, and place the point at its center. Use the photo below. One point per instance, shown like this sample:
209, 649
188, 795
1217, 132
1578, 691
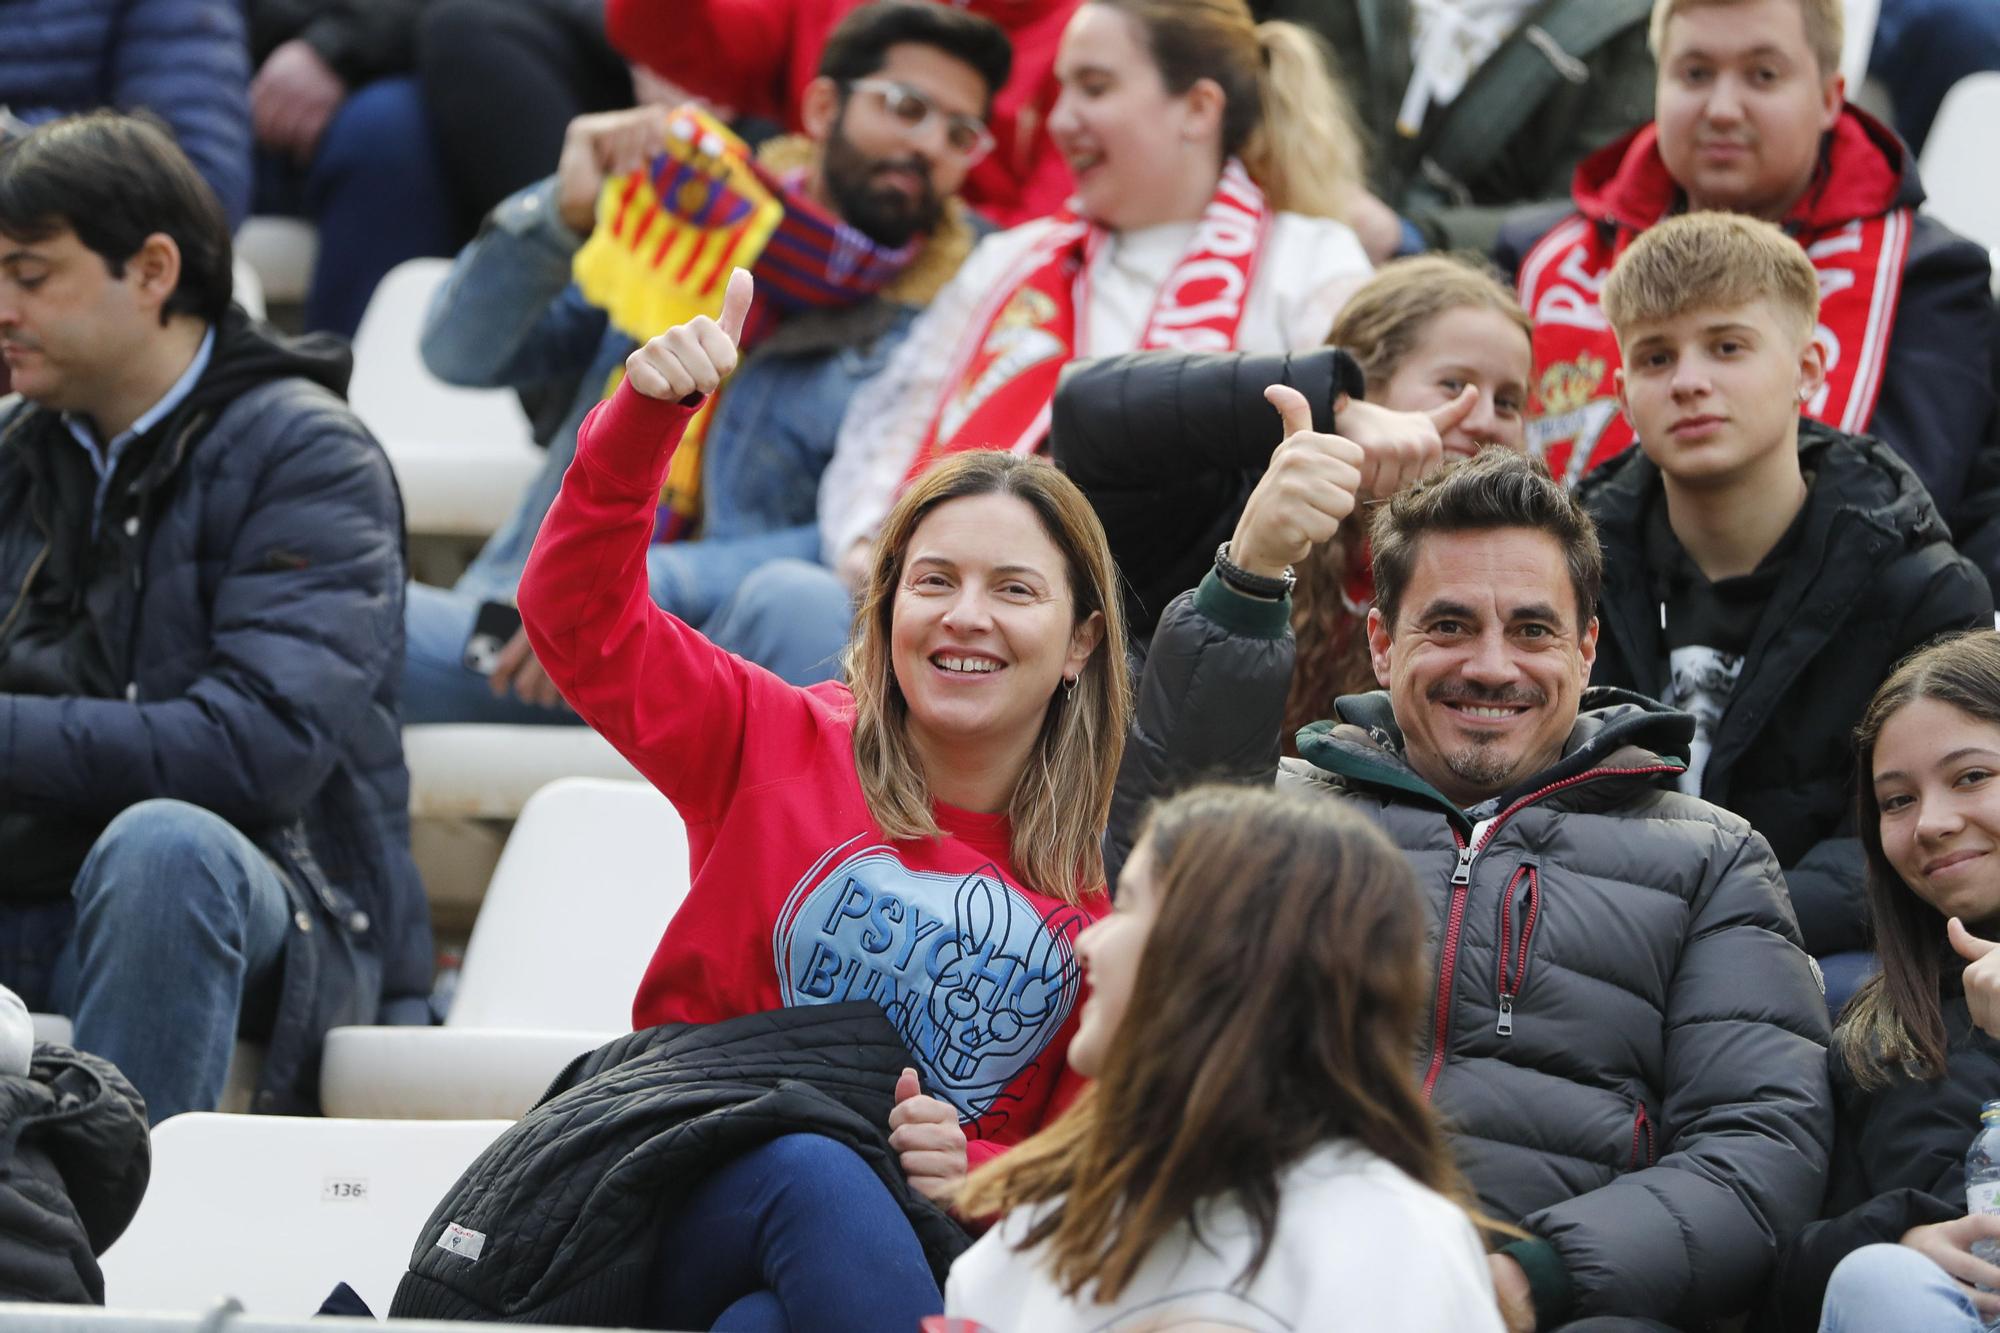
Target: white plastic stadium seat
1957, 165
282, 251
591, 876
489, 770
246, 288
274, 1210
1859, 24
462, 456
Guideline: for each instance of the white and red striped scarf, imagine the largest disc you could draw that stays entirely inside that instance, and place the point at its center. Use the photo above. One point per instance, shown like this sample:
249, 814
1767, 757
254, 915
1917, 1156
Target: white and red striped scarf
1005, 367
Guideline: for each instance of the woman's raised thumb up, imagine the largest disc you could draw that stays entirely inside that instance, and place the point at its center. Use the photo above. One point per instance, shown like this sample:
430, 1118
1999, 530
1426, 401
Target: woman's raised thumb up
693, 359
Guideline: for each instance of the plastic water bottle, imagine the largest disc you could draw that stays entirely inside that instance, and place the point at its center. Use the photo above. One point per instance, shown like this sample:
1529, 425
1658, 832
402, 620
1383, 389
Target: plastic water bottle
1982, 1180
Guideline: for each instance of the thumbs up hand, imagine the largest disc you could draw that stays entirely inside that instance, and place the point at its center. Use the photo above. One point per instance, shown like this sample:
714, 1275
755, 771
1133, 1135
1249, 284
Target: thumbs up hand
694, 358
926, 1135
1309, 487
1982, 975
1400, 447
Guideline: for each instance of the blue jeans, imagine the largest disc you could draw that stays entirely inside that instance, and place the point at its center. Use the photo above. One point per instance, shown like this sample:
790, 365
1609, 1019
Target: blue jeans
437, 685
795, 1234
702, 582
696, 579
791, 616
1881, 1287
172, 941
376, 191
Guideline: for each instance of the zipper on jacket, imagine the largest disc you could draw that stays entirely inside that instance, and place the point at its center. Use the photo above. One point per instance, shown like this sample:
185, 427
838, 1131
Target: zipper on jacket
1512, 979
1461, 886
1642, 1134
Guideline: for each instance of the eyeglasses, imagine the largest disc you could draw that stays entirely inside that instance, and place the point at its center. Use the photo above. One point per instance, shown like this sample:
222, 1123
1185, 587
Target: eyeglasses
966, 136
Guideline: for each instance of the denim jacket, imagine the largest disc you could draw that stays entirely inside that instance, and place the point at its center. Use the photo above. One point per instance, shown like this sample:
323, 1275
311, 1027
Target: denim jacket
508, 315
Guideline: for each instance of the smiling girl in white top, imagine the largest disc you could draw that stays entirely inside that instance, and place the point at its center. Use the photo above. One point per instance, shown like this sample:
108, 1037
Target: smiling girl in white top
1254, 1152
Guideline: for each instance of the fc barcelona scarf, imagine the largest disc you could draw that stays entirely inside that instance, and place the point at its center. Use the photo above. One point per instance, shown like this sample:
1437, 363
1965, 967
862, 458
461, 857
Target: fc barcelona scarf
667, 237
1003, 372
1574, 421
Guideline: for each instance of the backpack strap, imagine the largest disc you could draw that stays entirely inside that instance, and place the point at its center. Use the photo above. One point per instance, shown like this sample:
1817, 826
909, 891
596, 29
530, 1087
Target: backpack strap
1549, 49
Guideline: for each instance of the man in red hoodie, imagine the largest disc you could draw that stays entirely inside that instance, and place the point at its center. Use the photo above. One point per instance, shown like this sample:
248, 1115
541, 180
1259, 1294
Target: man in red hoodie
1750, 117
756, 57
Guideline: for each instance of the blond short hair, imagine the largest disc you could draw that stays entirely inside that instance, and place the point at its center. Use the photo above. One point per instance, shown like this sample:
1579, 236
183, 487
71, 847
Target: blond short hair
1708, 261
1826, 27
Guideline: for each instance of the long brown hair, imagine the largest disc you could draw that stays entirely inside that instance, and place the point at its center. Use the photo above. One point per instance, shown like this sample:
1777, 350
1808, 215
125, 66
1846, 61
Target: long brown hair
1894, 1025
1275, 1008
1284, 111
1063, 796
1379, 327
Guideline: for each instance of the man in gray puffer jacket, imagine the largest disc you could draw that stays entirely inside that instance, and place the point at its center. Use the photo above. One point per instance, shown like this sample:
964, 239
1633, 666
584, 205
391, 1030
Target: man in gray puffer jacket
1626, 1039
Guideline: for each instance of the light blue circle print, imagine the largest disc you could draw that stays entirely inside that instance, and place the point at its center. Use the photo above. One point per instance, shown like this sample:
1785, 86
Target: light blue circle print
976, 979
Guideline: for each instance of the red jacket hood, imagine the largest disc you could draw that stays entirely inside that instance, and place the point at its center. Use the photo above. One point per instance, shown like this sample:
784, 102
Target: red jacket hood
1864, 171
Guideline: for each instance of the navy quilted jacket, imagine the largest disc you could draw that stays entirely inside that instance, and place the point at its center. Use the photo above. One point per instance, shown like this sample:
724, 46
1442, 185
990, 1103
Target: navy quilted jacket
260, 636
186, 61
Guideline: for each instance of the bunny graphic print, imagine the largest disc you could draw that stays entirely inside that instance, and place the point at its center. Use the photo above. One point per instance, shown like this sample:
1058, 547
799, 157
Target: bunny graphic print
974, 977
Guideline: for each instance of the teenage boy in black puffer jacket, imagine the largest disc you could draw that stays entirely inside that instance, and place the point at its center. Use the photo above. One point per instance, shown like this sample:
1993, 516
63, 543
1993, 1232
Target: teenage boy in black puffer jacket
1761, 573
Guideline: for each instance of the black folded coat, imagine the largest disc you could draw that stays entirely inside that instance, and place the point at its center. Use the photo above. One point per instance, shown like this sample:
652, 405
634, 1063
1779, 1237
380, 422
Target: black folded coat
74, 1162
558, 1221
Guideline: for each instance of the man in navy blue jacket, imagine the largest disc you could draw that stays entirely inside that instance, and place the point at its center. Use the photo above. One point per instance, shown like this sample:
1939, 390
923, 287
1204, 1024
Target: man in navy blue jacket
203, 803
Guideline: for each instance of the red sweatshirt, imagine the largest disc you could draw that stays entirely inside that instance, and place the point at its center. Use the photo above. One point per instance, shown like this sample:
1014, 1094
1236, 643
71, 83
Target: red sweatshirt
797, 898
757, 56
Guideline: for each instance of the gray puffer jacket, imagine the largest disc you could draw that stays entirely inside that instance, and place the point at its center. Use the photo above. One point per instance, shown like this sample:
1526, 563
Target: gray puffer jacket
1625, 1039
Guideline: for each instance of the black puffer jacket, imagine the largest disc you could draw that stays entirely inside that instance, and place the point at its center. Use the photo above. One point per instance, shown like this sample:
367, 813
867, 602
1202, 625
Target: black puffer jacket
1648, 1096
1976, 522
74, 1161
1167, 447
1873, 577
565, 1205
1898, 1160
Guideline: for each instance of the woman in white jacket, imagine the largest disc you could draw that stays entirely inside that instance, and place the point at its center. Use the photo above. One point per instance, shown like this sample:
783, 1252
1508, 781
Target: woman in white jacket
1254, 1153
1217, 174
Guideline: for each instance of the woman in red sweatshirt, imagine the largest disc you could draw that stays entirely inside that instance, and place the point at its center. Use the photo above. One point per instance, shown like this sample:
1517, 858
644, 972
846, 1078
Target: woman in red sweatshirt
925, 836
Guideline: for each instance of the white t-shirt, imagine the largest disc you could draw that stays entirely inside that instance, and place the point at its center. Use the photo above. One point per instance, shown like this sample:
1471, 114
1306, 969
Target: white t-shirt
1310, 266
1359, 1246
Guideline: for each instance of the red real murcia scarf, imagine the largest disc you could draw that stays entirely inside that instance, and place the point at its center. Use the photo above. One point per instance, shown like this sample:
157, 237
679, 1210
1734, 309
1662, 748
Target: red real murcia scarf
1003, 374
